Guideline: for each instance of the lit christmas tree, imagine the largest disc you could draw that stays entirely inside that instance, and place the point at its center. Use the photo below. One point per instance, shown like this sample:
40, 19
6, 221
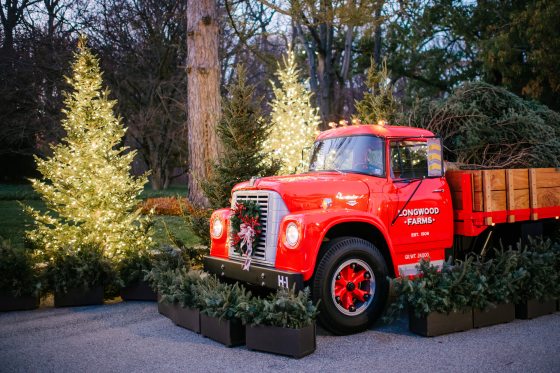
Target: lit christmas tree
87, 187
295, 122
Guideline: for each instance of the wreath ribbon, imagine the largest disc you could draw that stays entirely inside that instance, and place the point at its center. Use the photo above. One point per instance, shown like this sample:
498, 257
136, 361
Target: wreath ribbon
245, 229
247, 234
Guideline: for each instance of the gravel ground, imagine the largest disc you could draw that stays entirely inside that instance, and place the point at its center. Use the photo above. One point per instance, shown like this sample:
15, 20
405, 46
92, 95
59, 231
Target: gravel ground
132, 336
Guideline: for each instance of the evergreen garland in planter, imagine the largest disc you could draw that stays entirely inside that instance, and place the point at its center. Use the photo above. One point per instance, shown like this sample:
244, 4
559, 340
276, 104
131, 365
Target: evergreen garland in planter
183, 295
538, 289
284, 308
132, 270
219, 305
167, 264
283, 323
438, 300
493, 285
20, 282
165, 260
77, 276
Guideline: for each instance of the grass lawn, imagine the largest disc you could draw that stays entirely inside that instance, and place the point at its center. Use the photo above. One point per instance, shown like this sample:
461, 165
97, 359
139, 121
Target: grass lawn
14, 221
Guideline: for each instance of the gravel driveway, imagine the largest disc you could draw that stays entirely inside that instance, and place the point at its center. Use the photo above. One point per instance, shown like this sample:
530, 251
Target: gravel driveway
132, 336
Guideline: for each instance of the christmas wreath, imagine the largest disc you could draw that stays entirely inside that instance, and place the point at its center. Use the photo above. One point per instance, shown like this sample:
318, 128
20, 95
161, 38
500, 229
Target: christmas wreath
246, 229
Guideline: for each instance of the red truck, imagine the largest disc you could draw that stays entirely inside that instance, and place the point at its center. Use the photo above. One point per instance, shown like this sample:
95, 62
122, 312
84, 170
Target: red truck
374, 202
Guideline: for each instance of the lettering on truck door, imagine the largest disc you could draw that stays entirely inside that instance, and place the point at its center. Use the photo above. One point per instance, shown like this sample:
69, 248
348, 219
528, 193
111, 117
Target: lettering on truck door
424, 225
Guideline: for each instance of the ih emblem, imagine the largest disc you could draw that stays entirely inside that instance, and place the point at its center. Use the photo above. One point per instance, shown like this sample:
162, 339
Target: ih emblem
283, 282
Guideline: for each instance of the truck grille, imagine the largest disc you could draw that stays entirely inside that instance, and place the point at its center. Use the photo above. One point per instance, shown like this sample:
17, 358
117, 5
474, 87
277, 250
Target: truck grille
272, 210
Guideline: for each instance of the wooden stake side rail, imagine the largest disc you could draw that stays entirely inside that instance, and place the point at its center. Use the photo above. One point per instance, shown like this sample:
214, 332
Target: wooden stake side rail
483, 198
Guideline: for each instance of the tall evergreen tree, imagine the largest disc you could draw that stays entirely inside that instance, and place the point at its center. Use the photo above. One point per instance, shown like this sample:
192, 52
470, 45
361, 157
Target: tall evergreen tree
242, 132
378, 103
295, 122
87, 187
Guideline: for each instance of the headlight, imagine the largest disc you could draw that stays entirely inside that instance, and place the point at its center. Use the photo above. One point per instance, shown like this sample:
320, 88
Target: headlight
292, 234
217, 228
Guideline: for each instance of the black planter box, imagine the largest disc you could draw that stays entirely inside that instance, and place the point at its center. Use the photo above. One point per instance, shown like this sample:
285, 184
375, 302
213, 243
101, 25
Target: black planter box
10, 303
502, 313
434, 323
79, 297
140, 290
285, 341
228, 332
185, 317
165, 308
533, 308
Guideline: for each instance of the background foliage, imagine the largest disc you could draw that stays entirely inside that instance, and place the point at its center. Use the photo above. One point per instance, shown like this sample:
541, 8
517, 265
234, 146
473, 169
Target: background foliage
485, 125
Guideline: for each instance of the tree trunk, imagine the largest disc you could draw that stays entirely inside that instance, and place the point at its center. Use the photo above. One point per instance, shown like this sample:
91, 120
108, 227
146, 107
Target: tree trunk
377, 38
203, 100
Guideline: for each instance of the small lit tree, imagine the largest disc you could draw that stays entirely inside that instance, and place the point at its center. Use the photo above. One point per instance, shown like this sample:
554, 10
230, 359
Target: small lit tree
87, 187
295, 122
378, 103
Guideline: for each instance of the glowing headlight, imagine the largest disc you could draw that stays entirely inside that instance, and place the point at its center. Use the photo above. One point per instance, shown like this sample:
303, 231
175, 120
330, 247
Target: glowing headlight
292, 234
217, 228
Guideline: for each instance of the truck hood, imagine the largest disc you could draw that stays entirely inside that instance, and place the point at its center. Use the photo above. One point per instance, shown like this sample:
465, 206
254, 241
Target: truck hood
313, 190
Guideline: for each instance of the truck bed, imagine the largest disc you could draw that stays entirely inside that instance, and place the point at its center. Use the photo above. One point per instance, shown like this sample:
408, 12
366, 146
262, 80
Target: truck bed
483, 198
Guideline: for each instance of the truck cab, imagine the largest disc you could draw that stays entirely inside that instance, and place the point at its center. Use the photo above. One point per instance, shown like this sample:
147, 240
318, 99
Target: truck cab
372, 204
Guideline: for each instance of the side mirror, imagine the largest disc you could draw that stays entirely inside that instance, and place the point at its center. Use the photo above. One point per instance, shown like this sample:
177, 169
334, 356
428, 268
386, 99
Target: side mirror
435, 157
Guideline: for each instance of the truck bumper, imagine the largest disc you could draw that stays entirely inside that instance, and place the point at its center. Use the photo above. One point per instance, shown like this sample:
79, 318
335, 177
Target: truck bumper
257, 275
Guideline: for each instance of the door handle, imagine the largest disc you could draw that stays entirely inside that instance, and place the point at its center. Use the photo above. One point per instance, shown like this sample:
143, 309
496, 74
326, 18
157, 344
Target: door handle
438, 191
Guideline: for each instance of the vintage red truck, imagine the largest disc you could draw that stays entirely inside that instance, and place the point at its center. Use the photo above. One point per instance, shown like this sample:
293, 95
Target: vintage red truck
376, 200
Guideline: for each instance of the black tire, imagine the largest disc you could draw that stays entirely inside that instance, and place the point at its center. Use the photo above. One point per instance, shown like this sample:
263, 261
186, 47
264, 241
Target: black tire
337, 252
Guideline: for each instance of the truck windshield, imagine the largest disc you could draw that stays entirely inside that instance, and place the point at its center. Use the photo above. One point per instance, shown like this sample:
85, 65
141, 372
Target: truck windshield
357, 154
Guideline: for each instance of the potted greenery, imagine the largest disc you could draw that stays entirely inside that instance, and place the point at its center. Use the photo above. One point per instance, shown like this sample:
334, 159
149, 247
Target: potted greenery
182, 295
493, 285
131, 270
537, 291
219, 304
77, 276
437, 299
283, 323
161, 277
20, 282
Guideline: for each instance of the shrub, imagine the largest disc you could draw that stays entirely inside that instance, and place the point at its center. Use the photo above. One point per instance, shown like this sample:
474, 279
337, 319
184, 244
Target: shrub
184, 286
85, 267
221, 300
495, 281
165, 261
19, 273
284, 308
198, 219
539, 262
442, 290
163, 206
133, 266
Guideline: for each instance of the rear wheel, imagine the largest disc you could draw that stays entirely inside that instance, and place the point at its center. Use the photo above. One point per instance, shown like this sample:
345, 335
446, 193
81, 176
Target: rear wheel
351, 283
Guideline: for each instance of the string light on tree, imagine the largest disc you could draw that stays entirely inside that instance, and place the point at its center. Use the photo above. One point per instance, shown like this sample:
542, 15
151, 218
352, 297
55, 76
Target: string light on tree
295, 122
87, 187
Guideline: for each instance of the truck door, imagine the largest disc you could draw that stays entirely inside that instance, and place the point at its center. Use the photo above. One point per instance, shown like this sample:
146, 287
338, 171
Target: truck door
421, 223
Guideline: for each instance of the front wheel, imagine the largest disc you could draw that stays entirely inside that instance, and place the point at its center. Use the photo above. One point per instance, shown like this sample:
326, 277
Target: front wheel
351, 283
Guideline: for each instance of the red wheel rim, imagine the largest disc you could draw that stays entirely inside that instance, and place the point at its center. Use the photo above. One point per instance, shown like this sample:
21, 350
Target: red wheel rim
352, 287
